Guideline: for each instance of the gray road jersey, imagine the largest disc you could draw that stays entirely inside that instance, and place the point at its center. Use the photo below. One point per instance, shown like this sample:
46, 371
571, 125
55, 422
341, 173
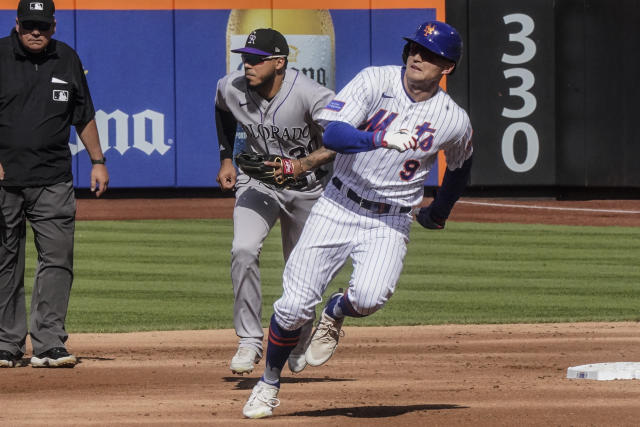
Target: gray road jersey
277, 126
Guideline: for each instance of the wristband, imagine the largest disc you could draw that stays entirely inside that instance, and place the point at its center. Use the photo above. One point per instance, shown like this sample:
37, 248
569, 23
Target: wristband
102, 161
378, 139
287, 167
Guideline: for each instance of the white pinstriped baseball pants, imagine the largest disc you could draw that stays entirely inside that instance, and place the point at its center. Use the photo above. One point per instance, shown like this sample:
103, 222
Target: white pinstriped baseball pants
336, 229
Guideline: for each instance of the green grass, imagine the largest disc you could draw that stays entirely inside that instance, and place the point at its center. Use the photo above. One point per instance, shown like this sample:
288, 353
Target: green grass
174, 274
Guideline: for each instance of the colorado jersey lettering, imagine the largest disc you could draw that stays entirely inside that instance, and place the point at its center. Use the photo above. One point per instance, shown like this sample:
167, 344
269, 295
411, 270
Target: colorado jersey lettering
276, 126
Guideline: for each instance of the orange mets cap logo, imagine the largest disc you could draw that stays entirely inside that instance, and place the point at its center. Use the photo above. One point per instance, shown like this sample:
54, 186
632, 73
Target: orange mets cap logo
429, 29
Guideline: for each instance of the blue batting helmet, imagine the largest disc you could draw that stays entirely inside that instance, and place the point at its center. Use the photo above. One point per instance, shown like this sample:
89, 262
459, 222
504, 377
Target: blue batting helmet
440, 38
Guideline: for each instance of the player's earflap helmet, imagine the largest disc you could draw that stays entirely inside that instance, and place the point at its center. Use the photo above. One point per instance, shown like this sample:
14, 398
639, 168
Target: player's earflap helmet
439, 37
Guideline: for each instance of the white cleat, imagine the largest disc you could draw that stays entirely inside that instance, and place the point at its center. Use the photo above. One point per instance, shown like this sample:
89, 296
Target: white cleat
244, 360
263, 399
297, 360
325, 339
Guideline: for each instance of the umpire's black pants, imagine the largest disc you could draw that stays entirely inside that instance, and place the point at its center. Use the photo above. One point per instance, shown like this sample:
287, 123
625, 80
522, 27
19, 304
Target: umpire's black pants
51, 212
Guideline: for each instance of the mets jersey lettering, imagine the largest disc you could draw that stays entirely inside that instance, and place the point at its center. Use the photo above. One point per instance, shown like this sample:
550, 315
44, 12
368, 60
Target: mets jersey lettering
376, 100
376, 122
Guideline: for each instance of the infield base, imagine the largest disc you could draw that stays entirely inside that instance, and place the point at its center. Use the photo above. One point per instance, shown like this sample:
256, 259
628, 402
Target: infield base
605, 371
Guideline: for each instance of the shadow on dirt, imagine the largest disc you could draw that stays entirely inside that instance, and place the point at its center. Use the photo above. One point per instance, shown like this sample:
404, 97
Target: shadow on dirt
247, 383
373, 411
101, 359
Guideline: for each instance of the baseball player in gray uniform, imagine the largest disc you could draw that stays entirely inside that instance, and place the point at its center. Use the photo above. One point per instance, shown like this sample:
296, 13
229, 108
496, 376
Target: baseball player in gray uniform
387, 126
275, 107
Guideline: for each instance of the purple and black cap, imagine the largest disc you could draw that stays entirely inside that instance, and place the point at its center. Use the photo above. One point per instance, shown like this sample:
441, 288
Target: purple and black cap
265, 42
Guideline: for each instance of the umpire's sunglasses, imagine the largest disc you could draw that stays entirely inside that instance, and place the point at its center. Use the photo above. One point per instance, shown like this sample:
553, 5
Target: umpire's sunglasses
253, 59
32, 25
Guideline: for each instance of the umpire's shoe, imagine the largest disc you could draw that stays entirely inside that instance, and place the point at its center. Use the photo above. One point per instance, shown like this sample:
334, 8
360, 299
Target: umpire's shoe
264, 397
244, 360
8, 359
57, 357
325, 339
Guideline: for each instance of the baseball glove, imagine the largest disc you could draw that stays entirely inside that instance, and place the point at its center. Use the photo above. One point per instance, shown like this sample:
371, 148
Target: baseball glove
253, 165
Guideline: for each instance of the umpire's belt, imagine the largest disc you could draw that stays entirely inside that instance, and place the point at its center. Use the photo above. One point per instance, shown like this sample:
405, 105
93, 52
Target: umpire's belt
376, 207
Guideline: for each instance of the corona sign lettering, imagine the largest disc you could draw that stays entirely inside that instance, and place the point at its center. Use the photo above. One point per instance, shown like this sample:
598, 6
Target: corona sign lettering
148, 144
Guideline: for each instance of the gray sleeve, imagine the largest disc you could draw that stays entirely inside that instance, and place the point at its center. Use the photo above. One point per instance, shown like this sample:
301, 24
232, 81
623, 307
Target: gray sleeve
220, 90
322, 99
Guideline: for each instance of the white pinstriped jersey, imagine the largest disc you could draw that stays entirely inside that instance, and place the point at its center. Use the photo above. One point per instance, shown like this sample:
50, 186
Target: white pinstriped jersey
277, 126
376, 99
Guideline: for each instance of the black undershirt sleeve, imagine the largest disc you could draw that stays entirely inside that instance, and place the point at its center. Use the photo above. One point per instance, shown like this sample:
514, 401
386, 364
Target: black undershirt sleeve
453, 184
226, 126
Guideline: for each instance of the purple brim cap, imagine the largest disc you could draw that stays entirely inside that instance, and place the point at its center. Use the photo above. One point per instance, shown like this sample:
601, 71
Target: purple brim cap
251, 50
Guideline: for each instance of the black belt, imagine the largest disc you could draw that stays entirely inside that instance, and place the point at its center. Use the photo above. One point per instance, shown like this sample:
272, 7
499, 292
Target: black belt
377, 207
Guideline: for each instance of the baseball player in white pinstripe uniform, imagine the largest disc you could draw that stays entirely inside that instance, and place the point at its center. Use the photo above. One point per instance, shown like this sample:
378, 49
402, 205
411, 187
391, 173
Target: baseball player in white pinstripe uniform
387, 126
275, 108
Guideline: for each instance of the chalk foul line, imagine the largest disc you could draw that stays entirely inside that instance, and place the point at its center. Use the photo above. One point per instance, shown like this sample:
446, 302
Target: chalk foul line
551, 208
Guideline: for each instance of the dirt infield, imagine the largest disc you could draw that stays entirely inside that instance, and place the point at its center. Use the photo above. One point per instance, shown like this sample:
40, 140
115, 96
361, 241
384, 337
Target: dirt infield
544, 211
484, 375
496, 375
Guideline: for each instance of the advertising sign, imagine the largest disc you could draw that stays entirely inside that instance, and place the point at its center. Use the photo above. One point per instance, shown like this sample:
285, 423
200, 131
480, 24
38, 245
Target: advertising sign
153, 68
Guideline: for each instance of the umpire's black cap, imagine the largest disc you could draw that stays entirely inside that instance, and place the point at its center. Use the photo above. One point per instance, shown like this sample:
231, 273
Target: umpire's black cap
36, 10
265, 42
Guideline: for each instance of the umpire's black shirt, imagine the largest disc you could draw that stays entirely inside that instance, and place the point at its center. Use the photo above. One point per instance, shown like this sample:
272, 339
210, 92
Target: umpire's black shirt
41, 95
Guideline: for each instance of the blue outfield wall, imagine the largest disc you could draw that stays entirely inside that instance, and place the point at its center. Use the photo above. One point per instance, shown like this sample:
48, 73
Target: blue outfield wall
153, 75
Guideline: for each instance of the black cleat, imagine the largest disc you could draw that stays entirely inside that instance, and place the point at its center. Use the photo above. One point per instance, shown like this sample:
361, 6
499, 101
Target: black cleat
57, 357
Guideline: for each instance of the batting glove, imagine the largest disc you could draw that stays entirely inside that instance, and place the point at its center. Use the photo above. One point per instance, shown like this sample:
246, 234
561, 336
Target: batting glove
426, 219
400, 140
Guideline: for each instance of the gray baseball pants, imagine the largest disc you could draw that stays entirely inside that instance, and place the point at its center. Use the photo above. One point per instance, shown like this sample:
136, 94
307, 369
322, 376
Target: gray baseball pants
50, 211
256, 211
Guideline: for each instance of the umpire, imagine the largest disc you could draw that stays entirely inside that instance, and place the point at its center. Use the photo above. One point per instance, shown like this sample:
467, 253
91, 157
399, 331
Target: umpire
43, 91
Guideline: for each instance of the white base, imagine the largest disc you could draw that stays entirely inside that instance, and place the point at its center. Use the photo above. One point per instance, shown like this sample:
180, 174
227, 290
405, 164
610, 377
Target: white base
606, 371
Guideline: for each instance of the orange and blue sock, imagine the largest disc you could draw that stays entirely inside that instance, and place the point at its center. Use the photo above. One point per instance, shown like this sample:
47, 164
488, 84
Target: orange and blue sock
281, 343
